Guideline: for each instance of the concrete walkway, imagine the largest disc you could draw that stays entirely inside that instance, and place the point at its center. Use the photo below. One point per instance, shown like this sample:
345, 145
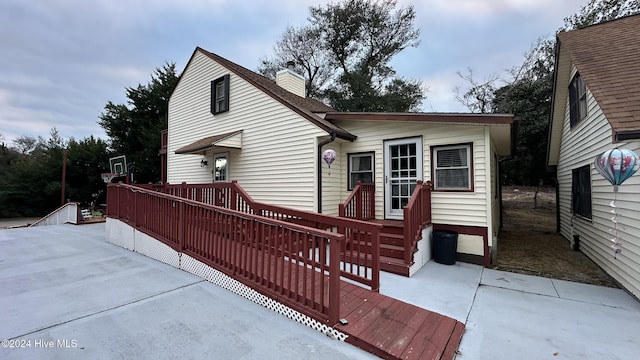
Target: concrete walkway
67, 294
513, 316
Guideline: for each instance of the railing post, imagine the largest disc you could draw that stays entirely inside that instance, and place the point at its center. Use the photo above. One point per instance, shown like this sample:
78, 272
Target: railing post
334, 280
429, 187
135, 209
118, 210
181, 227
183, 190
407, 231
234, 198
372, 202
375, 257
359, 201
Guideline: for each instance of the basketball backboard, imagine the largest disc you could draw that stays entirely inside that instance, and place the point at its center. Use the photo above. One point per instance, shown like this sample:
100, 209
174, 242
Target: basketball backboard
118, 165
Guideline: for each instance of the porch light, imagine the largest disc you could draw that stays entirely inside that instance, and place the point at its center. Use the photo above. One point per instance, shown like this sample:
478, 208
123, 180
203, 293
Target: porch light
203, 163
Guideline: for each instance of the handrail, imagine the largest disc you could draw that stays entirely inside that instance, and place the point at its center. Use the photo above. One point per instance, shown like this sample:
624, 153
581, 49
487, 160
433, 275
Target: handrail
363, 237
417, 214
262, 252
228, 195
72, 215
360, 204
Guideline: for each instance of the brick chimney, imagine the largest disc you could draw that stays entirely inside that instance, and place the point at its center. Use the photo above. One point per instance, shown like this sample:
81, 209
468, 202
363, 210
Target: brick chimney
291, 81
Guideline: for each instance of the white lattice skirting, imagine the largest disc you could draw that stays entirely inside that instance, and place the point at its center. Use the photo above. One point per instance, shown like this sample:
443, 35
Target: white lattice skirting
123, 235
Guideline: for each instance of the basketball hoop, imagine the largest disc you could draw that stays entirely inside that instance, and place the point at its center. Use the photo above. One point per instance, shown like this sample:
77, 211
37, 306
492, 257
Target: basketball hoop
107, 177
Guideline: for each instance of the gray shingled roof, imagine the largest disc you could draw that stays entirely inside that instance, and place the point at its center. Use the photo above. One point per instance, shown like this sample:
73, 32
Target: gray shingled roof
607, 56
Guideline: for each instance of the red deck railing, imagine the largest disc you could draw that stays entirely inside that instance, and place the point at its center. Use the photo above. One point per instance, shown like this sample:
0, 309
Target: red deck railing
226, 195
289, 262
360, 204
360, 250
417, 214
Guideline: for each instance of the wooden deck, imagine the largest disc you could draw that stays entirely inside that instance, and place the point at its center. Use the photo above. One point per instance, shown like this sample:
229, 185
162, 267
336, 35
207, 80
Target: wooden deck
392, 329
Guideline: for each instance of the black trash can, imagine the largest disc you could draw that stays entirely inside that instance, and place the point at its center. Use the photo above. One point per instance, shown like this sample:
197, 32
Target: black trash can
445, 246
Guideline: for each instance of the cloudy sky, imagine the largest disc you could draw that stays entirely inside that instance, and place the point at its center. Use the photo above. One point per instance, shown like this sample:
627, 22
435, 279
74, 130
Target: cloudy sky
61, 61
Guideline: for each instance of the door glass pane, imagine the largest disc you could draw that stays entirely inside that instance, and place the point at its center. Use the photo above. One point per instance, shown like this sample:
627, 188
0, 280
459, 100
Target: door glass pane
404, 163
220, 168
395, 203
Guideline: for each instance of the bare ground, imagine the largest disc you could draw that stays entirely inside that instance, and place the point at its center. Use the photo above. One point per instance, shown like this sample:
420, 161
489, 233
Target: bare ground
528, 243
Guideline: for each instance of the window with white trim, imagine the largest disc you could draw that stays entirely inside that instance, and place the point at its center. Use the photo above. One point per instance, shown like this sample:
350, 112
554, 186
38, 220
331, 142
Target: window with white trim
360, 168
452, 167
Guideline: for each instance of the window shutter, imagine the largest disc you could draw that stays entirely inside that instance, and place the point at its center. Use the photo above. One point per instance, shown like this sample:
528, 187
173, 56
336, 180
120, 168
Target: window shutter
227, 85
213, 97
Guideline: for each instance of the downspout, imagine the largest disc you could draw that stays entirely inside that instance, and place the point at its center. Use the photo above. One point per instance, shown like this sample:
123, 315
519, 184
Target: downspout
319, 169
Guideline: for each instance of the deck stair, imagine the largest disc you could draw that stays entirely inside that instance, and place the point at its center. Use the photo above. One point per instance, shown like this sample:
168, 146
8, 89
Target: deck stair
391, 247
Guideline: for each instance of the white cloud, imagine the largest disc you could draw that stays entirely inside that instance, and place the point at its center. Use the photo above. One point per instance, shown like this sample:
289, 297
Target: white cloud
486, 9
441, 95
131, 73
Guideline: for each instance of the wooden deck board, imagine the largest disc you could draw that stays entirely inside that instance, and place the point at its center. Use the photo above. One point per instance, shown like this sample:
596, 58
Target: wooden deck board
403, 338
393, 329
431, 339
451, 349
394, 336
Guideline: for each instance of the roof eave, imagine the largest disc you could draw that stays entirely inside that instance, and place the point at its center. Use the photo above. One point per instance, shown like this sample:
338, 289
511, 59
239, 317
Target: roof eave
460, 118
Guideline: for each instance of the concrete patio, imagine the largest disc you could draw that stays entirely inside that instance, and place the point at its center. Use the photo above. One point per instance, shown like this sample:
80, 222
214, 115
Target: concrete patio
65, 286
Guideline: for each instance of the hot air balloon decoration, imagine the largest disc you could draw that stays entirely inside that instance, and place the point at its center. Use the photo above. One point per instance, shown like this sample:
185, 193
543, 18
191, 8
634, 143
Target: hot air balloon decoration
616, 166
329, 156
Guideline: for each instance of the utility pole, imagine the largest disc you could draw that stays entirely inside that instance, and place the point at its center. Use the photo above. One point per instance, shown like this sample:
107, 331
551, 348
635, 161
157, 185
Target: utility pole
64, 175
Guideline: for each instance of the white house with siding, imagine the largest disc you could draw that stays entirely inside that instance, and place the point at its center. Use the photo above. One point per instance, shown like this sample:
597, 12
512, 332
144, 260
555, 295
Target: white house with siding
229, 123
596, 107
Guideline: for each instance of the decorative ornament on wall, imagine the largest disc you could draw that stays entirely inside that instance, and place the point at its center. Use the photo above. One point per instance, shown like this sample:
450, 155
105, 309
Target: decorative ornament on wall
329, 156
616, 166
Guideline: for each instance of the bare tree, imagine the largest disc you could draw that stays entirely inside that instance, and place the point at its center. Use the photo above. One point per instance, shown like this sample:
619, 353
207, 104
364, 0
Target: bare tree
480, 95
25, 144
303, 47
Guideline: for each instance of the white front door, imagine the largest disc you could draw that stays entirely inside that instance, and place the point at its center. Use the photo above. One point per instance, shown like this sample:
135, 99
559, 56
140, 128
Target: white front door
402, 168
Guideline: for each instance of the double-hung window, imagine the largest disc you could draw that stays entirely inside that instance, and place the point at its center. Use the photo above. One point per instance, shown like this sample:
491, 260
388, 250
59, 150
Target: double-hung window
452, 167
220, 95
577, 100
360, 168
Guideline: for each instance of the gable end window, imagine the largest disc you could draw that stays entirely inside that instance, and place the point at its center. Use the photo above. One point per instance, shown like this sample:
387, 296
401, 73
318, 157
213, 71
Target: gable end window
581, 191
452, 168
577, 100
220, 95
360, 169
